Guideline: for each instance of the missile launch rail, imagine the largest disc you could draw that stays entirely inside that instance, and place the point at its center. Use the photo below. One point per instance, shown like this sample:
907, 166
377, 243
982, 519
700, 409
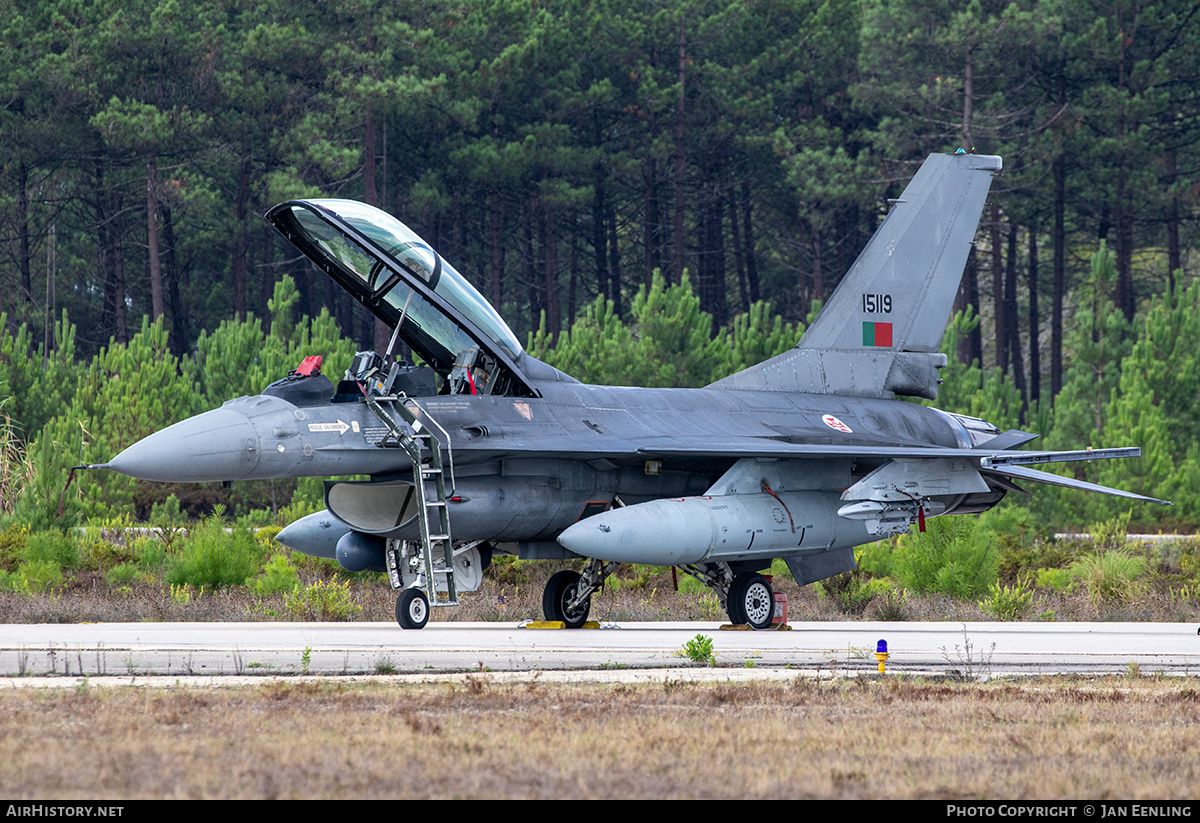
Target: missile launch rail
429, 484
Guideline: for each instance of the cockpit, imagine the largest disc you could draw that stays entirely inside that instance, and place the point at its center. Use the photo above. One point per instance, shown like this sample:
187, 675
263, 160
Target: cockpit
399, 277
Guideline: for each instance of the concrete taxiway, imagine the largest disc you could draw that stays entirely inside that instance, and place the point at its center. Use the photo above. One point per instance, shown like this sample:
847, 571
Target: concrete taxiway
843, 648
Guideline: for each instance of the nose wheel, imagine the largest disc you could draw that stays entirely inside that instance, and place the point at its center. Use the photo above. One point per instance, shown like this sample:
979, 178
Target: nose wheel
751, 601
412, 609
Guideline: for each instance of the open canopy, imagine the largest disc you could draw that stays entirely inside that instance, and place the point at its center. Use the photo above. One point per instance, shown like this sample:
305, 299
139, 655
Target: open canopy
403, 281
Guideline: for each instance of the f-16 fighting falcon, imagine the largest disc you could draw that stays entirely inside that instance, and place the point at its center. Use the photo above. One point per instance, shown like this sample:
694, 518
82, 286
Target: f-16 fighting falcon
477, 447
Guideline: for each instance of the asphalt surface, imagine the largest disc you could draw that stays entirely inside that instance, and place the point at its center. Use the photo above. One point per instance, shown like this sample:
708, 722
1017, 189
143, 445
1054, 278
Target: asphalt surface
627, 651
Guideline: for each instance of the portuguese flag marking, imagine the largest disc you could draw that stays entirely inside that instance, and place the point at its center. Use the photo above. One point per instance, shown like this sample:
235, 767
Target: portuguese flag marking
877, 334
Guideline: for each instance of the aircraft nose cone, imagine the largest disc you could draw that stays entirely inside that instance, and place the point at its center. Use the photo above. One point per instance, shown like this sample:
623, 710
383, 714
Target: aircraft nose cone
215, 446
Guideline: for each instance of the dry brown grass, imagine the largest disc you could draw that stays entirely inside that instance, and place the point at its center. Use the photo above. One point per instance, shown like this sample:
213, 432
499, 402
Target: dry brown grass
1115, 739
515, 595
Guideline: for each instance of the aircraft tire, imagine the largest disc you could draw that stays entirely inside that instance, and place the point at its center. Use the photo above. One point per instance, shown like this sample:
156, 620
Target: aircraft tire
559, 590
751, 601
412, 609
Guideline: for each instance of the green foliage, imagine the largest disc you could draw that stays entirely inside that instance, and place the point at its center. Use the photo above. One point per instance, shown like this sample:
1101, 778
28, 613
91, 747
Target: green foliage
210, 557
1110, 578
854, 591
51, 547
1008, 602
667, 342
984, 393
321, 600
699, 650
949, 558
278, 575
1057, 579
239, 358
12, 545
105, 543
123, 574
38, 576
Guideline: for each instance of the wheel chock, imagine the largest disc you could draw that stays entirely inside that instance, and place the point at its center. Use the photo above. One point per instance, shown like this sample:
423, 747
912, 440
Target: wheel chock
556, 624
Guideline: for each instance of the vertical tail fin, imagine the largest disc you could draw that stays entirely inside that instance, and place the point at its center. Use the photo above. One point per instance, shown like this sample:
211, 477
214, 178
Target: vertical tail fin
879, 333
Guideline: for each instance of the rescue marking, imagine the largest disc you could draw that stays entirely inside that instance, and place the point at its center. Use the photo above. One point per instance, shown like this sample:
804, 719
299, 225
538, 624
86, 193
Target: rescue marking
340, 427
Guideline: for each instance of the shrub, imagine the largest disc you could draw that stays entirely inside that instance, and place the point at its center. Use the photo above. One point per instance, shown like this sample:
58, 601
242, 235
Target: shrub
211, 557
322, 601
891, 605
278, 575
853, 591
51, 547
1057, 579
949, 558
122, 574
1110, 578
36, 576
1008, 602
12, 545
698, 650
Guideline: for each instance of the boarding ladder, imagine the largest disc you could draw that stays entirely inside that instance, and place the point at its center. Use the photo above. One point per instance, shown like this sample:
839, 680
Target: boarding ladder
429, 486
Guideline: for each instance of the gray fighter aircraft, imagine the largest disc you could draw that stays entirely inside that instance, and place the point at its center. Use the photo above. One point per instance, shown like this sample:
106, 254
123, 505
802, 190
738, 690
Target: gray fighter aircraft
481, 448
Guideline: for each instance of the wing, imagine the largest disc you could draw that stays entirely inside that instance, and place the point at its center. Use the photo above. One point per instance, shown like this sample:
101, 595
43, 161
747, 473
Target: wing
985, 462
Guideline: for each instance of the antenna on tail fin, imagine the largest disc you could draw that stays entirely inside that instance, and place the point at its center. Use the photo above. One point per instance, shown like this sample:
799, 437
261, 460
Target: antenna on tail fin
879, 333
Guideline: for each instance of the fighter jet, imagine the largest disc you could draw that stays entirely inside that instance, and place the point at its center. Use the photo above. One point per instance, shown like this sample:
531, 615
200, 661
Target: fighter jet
478, 447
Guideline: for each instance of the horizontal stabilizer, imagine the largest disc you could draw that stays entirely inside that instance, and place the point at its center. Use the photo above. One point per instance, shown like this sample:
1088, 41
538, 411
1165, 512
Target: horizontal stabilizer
1038, 476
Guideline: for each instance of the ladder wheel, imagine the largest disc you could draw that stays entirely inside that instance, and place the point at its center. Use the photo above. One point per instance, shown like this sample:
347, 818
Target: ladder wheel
412, 609
559, 591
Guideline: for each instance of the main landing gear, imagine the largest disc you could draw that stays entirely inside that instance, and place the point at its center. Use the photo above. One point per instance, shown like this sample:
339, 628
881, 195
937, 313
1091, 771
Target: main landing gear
567, 598
747, 597
751, 601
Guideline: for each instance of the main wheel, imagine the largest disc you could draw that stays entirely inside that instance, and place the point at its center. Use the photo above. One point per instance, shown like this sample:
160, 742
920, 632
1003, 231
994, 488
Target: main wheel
412, 609
559, 590
751, 600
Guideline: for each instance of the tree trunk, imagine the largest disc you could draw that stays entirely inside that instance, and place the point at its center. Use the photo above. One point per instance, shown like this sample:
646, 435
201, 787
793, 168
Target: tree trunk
739, 260
178, 330
156, 283
23, 230
497, 266
652, 228
998, 290
1035, 352
614, 263
1058, 287
241, 213
550, 271
677, 259
748, 242
1012, 329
